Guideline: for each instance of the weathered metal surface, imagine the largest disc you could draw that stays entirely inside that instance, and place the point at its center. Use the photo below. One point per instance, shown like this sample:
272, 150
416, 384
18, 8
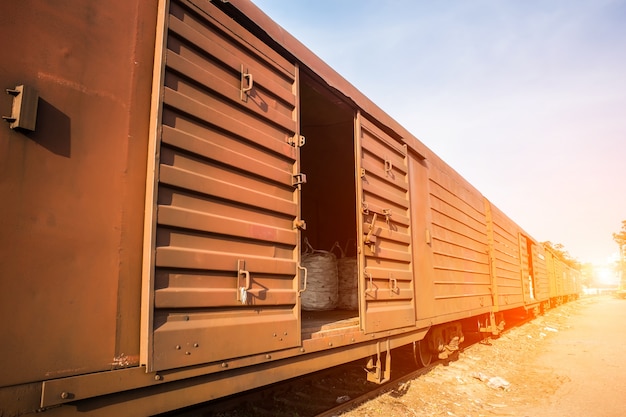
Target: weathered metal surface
223, 218
72, 190
226, 244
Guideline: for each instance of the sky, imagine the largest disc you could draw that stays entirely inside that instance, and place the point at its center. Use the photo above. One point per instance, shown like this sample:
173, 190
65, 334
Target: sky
526, 99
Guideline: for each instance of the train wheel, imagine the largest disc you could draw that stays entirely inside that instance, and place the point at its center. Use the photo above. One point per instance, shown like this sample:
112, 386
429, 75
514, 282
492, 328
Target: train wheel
422, 353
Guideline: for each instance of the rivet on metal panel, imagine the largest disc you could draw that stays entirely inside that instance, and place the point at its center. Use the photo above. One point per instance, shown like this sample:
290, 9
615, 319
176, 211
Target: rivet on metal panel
330, 343
268, 356
187, 353
177, 347
274, 334
302, 350
186, 318
196, 345
224, 365
65, 395
157, 377
352, 340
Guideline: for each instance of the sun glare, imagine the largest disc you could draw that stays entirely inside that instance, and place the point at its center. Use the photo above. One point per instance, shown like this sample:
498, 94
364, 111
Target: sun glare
605, 275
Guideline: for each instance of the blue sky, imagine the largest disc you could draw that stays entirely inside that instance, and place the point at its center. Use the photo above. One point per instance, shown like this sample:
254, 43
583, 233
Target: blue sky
526, 98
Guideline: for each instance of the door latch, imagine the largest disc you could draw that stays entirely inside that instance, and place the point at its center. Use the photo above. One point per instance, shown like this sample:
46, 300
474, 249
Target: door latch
370, 238
242, 290
247, 82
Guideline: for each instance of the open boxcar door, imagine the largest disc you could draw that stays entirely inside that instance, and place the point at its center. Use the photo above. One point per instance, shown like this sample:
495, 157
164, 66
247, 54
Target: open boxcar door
222, 278
386, 294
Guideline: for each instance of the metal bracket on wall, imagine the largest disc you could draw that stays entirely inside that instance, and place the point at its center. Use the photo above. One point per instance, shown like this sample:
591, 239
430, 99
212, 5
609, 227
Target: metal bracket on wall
247, 82
24, 109
298, 179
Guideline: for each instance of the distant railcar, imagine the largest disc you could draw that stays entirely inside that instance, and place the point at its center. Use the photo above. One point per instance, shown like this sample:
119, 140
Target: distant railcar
154, 218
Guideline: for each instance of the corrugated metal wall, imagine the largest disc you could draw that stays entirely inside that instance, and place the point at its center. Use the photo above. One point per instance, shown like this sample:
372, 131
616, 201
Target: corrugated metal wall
506, 259
459, 245
225, 237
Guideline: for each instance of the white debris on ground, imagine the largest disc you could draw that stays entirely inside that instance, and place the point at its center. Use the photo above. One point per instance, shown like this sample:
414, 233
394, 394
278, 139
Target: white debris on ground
486, 380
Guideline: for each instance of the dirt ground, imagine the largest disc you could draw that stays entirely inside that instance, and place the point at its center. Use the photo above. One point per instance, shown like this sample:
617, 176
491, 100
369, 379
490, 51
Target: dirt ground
568, 362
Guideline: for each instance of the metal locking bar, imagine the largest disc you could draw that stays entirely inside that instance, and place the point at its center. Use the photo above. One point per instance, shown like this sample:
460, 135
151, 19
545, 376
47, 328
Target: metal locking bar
388, 167
242, 290
305, 278
370, 238
247, 82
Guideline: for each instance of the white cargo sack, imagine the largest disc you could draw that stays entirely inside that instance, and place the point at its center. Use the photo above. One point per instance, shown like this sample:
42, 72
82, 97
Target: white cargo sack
321, 292
348, 279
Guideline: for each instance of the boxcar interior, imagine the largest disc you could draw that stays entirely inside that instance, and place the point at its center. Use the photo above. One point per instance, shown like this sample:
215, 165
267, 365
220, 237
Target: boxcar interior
329, 195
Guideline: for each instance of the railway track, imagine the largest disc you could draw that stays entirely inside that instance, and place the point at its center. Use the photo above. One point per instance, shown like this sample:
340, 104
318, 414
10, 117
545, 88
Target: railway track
325, 393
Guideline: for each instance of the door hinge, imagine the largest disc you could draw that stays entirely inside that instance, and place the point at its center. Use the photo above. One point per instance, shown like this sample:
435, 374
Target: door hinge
298, 179
297, 141
300, 224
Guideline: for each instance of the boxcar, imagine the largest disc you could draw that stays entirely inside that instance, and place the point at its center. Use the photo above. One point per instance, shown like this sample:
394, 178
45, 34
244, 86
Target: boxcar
154, 216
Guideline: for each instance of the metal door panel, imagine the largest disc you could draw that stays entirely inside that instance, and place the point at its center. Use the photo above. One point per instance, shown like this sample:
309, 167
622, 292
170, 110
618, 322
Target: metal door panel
182, 339
226, 249
206, 79
387, 282
191, 289
222, 189
232, 153
221, 116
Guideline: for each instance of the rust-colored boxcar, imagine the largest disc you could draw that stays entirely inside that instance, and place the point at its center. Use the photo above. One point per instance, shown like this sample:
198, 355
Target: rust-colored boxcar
154, 220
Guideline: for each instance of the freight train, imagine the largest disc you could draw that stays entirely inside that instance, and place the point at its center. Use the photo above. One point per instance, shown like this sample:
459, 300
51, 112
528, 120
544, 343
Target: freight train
163, 165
